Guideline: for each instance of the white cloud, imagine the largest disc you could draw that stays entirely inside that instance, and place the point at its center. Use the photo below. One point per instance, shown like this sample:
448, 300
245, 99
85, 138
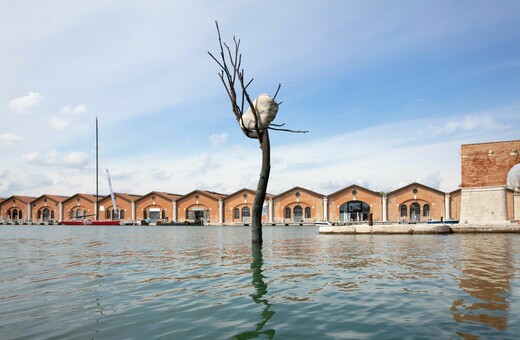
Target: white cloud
26, 102
159, 174
219, 139
74, 158
466, 123
52, 157
59, 123
204, 164
432, 180
69, 110
330, 186
31, 157
10, 139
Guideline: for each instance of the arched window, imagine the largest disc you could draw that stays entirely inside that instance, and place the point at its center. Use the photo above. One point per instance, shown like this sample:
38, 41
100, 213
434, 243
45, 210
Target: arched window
9, 215
246, 214
404, 210
287, 212
84, 213
163, 214
426, 210
20, 214
39, 215
307, 212
121, 214
354, 211
298, 214
52, 215
415, 212
107, 214
236, 214
15, 214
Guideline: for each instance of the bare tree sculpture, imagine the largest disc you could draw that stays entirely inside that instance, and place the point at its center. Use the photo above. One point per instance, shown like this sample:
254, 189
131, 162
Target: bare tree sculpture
255, 122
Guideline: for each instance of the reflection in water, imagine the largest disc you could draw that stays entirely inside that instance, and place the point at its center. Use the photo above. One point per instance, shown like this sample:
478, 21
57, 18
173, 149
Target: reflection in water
207, 282
487, 268
258, 297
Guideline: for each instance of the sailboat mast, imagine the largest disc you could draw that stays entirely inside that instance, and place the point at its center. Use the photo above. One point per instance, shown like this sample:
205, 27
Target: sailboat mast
97, 181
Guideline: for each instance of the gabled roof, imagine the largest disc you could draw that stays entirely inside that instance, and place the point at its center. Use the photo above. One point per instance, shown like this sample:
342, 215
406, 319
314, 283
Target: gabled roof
354, 186
55, 198
88, 197
454, 191
25, 199
417, 185
127, 197
251, 191
215, 195
300, 189
164, 195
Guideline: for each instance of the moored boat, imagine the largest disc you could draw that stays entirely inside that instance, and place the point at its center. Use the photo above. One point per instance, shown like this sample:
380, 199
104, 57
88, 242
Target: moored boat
96, 221
90, 222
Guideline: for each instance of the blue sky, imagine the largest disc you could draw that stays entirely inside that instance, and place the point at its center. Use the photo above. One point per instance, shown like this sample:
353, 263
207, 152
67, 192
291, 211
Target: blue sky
389, 90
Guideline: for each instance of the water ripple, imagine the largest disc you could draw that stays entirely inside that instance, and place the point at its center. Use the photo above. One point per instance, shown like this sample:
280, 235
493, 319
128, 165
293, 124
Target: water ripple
200, 282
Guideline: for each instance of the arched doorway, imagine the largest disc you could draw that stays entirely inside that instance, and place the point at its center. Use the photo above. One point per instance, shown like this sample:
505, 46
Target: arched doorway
415, 212
197, 214
246, 215
154, 214
298, 214
354, 211
45, 215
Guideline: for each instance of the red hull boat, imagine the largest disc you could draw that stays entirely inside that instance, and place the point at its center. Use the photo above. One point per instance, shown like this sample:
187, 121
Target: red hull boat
90, 222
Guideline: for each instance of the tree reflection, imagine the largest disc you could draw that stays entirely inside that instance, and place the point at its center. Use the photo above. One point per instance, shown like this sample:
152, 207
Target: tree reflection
258, 297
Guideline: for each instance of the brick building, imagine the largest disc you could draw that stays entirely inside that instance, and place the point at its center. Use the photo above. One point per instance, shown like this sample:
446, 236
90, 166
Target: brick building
46, 208
16, 208
298, 205
238, 207
354, 204
156, 206
78, 206
483, 198
484, 171
125, 204
201, 205
417, 202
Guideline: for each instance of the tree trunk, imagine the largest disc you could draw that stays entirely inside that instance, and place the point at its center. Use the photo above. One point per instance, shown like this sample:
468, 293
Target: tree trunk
258, 205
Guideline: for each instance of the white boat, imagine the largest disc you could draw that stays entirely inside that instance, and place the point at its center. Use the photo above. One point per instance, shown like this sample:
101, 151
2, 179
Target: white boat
323, 224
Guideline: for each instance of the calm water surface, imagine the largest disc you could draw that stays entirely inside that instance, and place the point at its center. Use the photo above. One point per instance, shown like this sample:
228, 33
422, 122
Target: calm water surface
134, 282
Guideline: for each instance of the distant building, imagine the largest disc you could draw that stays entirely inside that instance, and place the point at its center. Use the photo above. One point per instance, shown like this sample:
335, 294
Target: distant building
46, 208
298, 205
483, 198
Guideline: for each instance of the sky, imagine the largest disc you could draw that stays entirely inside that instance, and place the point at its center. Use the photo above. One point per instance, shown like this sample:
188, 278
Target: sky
388, 90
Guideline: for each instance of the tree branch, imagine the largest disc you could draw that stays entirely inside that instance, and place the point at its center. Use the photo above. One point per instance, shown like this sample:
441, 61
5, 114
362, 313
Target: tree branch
287, 130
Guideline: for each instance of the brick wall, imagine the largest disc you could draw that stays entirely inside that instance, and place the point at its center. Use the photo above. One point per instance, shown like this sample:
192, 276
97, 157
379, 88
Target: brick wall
487, 164
416, 193
355, 193
298, 197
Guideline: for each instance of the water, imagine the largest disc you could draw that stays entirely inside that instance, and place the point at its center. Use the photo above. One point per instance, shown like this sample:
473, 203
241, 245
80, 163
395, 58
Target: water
207, 282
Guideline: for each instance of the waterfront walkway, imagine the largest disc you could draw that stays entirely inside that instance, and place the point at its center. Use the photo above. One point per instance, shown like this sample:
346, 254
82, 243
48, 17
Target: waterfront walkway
421, 228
